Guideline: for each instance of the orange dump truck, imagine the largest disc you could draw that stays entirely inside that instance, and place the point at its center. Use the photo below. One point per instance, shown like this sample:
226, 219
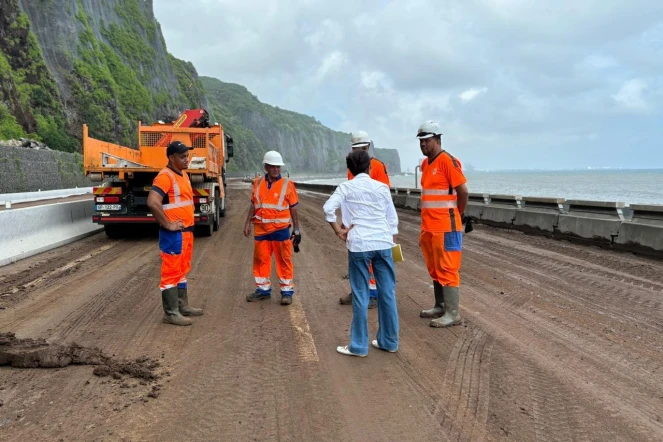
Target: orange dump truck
126, 174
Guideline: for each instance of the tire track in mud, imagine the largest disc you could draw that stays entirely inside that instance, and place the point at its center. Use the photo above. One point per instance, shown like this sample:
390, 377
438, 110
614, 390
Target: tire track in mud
242, 374
593, 372
530, 364
462, 412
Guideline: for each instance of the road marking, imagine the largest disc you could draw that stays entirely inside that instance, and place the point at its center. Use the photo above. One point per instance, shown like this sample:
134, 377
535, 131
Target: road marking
64, 268
303, 338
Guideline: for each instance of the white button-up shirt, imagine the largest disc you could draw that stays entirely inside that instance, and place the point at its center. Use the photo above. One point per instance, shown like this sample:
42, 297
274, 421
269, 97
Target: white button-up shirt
366, 205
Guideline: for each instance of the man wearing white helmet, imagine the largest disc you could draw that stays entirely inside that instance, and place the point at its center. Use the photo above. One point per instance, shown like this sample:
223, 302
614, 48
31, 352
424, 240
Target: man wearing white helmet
272, 212
359, 140
444, 197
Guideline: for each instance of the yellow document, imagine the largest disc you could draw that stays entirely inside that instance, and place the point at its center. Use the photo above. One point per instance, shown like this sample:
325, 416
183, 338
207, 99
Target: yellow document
397, 253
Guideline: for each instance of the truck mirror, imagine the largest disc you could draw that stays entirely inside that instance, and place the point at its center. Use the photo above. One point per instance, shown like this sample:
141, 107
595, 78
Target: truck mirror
229, 148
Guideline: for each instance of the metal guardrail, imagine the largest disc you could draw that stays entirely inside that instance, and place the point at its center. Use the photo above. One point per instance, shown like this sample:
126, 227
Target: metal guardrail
7, 199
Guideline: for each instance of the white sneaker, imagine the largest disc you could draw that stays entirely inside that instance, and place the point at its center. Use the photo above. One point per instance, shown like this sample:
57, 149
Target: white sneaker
374, 343
344, 351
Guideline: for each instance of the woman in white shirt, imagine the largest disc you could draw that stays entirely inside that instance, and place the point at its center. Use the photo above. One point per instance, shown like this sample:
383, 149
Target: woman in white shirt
368, 211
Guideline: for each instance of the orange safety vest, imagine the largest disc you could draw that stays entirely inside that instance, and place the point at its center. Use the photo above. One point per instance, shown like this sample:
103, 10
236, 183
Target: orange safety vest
378, 172
180, 197
272, 210
439, 202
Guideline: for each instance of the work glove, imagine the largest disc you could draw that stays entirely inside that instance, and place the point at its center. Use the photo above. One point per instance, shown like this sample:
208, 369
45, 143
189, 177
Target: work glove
467, 222
296, 239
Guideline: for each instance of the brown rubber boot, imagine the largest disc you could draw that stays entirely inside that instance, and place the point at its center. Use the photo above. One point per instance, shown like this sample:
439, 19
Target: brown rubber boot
169, 298
438, 309
183, 303
451, 315
346, 300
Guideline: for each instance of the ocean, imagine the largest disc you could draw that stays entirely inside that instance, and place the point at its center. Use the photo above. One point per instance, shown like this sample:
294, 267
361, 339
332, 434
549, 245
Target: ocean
629, 186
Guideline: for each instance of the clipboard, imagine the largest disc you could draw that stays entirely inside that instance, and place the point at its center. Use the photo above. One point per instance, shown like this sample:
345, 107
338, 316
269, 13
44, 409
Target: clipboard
397, 253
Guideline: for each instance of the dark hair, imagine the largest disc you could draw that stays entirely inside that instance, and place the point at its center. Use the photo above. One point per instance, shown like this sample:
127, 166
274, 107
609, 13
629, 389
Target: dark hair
358, 161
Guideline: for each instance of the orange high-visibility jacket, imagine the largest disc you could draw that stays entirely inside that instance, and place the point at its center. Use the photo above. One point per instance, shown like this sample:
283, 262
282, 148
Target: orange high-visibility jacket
180, 195
439, 202
378, 172
272, 204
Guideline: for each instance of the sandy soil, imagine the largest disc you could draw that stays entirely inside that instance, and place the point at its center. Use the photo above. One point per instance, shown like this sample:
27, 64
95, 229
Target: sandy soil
560, 342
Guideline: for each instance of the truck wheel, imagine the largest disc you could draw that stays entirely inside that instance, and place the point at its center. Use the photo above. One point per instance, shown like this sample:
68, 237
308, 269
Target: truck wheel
204, 230
113, 231
217, 211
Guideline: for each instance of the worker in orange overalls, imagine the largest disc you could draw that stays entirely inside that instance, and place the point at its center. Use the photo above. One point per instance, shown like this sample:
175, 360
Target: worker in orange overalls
444, 197
359, 140
171, 203
273, 211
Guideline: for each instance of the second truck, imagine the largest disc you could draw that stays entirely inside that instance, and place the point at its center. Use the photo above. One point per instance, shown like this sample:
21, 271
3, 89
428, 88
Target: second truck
127, 173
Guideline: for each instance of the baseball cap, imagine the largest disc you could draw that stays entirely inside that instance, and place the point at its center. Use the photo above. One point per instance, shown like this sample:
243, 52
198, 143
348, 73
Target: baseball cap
177, 147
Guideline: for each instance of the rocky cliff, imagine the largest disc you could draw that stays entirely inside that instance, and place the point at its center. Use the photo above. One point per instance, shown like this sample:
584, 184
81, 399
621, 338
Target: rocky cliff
306, 145
391, 158
105, 63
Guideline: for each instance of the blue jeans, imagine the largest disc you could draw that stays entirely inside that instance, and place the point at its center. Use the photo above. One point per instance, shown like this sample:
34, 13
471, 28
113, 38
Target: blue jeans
385, 277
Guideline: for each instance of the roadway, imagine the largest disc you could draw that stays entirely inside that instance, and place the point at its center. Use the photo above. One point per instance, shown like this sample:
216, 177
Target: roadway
560, 342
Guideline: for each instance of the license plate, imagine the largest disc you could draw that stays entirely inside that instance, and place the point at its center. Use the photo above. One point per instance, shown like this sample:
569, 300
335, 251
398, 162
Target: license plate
108, 207
204, 207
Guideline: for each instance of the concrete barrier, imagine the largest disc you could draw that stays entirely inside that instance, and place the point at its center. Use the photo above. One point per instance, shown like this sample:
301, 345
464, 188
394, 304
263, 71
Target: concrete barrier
32, 230
591, 221
539, 215
399, 200
475, 205
23, 197
644, 232
501, 210
596, 222
321, 188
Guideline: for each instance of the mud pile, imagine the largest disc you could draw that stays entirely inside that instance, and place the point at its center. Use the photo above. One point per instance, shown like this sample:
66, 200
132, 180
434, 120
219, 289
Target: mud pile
37, 353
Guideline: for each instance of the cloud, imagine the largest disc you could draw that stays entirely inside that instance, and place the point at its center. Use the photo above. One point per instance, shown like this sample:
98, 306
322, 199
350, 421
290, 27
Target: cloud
513, 83
630, 96
471, 94
331, 64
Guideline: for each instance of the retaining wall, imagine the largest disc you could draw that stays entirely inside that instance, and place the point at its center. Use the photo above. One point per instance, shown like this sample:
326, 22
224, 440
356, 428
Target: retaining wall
28, 170
636, 228
32, 230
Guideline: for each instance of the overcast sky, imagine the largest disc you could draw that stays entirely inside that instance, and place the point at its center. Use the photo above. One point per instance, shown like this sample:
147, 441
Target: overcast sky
514, 84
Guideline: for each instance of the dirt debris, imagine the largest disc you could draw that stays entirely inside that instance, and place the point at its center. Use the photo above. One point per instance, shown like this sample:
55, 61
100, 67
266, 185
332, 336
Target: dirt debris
37, 353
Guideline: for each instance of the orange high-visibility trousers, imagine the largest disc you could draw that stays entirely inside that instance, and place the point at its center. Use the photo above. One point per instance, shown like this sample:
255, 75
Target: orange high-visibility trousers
262, 266
176, 251
442, 264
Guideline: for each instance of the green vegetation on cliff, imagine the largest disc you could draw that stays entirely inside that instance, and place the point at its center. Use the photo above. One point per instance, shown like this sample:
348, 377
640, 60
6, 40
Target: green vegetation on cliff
109, 90
30, 103
257, 127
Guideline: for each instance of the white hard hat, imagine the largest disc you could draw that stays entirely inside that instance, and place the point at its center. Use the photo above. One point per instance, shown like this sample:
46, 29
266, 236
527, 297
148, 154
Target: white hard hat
273, 158
359, 139
428, 129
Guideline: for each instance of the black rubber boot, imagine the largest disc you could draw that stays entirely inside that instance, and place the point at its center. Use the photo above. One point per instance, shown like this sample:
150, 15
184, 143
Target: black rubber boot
185, 309
346, 300
257, 296
438, 309
171, 310
451, 315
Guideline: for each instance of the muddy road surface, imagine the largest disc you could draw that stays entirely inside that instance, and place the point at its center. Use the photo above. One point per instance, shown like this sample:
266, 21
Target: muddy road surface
559, 343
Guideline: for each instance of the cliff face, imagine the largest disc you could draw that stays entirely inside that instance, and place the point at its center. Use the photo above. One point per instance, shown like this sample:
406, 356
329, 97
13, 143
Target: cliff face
391, 158
306, 145
103, 63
